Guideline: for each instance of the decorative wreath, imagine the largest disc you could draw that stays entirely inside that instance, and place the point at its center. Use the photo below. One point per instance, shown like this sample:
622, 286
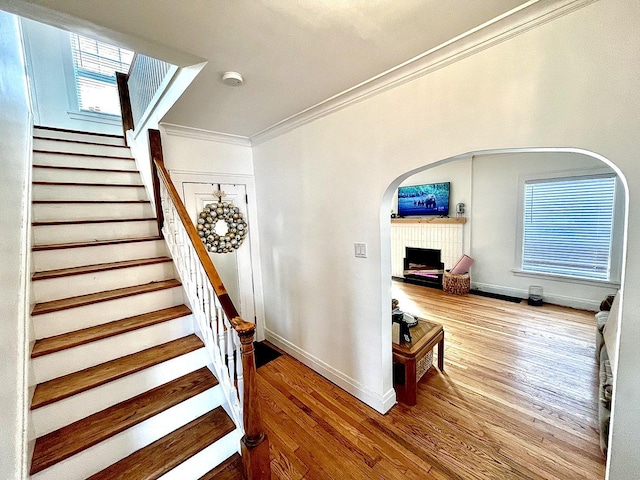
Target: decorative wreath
228, 241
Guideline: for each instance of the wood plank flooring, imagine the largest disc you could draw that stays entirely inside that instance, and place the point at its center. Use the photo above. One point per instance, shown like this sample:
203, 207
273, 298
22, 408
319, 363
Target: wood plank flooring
518, 400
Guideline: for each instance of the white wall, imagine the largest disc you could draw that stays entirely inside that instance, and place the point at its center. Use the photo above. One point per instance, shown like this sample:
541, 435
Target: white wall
50, 67
197, 156
497, 180
14, 142
204, 152
572, 82
489, 186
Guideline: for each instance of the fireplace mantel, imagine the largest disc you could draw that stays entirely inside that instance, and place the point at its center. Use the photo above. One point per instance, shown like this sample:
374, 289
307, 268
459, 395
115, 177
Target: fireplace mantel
431, 220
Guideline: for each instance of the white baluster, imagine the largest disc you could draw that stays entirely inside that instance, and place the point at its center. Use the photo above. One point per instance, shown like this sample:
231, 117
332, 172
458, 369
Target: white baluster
184, 240
213, 316
221, 328
192, 261
220, 339
182, 270
231, 364
206, 299
238, 350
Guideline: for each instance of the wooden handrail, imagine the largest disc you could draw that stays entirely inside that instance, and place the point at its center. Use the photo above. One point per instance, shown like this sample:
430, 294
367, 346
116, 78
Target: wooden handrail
216, 282
255, 445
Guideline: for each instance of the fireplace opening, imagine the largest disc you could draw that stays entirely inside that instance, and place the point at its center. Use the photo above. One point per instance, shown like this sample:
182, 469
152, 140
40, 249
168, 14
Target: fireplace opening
423, 266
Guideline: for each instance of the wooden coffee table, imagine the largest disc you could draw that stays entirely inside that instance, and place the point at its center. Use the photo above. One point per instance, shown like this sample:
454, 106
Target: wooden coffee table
425, 336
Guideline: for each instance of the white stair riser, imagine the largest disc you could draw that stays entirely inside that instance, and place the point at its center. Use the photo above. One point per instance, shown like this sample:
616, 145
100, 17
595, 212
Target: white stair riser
207, 459
64, 412
80, 137
85, 176
78, 358
61, 287
47, 212
103, 454
75, 257
71, 319
79, 192
71, 147
90, 232
58, 160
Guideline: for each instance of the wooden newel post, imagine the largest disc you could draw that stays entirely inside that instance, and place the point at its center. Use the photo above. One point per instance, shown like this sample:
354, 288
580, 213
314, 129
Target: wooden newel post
255, 445
125, 103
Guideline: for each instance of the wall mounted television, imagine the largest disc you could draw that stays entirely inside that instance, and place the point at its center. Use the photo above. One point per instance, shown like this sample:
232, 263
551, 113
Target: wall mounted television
428, 199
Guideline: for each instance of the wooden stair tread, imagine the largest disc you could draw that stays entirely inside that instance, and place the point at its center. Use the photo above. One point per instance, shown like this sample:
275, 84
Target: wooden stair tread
81, 132
89, 155
89, 184
168, 452
64, 341
99, 267
82, 434
81, 142
83, 222
57, 246
42, 202
81, 300
84, 169
230, 469
77, 382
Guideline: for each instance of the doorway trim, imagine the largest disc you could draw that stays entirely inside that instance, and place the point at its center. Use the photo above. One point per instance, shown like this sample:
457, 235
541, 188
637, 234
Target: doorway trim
180, 177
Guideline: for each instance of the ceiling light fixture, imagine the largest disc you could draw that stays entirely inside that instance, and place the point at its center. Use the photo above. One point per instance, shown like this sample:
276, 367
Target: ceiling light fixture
232, 79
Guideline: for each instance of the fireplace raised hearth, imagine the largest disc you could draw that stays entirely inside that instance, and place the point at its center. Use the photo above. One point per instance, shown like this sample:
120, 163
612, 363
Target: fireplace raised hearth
423, 266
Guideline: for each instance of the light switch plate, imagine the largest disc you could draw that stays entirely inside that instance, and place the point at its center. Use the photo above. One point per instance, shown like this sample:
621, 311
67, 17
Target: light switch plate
360, 249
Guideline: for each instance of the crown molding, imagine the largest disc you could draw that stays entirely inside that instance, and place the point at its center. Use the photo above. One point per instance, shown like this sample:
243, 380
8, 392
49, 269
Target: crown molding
200, 134
502, 28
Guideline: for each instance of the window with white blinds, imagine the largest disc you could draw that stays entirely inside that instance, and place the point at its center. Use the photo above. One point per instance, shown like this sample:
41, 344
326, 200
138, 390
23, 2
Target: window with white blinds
94, 65
568, 226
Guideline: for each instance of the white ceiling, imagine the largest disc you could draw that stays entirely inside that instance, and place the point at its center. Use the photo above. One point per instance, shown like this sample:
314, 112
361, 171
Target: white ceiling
293, 54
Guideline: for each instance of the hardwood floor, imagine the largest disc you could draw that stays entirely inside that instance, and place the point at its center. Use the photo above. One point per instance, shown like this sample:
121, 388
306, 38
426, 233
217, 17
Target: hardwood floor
517, 401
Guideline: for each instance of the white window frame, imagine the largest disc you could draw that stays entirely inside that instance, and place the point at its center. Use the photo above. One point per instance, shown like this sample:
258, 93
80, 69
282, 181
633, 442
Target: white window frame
74, 111
616, 235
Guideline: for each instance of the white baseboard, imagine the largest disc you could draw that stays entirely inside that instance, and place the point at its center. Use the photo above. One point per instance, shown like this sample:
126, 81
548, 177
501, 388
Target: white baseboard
580, 303
381, 403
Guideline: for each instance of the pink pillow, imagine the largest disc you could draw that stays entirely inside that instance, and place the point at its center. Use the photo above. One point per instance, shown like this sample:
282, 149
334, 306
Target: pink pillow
462, 265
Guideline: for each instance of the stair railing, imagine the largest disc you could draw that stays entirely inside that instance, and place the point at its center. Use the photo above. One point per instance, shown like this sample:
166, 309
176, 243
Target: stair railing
140, 88
227, 338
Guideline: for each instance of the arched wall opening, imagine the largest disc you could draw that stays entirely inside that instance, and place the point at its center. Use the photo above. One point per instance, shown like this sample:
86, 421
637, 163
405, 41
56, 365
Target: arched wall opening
573, 162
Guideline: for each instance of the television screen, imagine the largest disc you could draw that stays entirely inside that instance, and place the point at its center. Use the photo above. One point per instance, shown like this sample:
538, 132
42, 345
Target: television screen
430, 199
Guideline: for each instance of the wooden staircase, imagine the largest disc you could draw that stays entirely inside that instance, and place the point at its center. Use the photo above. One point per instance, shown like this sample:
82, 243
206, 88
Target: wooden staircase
123, 388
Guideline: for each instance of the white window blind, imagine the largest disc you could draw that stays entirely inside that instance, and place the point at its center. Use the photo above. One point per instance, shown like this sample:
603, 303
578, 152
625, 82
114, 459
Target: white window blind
95, 64
568, 226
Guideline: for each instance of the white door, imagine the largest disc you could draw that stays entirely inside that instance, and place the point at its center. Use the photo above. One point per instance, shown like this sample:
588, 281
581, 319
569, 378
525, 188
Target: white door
234, 268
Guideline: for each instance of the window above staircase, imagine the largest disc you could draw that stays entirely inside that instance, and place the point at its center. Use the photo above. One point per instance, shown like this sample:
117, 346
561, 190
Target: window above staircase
95, 65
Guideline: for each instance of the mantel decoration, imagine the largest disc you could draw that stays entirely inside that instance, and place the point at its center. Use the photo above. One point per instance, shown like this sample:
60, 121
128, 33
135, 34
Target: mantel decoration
221, 226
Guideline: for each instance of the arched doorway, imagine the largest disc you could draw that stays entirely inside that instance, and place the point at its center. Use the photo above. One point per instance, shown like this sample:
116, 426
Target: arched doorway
499, 170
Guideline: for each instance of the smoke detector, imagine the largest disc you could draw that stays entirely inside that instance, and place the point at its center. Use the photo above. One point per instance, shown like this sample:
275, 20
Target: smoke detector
232, 79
